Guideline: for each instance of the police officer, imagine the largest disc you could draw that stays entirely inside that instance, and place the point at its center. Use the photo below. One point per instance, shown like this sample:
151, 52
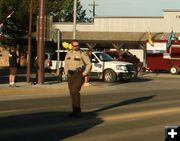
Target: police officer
77, 66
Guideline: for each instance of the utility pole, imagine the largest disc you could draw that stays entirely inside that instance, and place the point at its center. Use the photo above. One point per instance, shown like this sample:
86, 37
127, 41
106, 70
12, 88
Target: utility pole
74, 19
94, 8
29, 43
40, 42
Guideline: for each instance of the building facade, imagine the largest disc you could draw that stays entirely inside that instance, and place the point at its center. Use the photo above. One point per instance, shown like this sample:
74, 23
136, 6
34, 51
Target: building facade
123, 29
123, 32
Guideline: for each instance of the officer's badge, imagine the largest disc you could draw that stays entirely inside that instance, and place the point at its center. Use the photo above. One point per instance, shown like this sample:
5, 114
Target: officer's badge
77, 56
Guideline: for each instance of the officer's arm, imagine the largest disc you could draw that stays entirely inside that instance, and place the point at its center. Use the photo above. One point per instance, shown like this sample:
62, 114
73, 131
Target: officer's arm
65, 65
87, 62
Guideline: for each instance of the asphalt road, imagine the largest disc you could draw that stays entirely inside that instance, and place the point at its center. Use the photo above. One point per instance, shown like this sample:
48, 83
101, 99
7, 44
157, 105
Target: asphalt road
135, 111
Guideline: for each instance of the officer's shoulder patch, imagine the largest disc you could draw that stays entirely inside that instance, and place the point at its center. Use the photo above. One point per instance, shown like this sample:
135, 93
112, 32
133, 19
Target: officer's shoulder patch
81, 51
70, 50
84, 53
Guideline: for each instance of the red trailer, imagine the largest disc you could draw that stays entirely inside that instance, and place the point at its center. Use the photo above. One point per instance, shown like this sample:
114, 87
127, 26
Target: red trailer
161, 57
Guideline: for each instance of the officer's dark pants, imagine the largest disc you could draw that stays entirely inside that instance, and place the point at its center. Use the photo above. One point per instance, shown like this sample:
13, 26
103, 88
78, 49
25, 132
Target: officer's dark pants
75, 82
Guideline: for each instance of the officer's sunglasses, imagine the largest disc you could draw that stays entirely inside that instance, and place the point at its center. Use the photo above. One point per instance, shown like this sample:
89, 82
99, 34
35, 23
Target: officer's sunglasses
75, 45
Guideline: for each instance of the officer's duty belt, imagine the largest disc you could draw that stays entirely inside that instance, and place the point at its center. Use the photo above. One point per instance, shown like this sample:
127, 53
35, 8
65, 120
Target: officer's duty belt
72, 72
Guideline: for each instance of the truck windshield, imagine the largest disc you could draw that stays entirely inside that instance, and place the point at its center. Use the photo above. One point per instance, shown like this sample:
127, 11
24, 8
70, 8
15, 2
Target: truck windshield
104, 57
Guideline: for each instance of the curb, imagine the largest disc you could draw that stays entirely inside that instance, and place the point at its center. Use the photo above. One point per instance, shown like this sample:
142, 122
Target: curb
27, 88
158, 75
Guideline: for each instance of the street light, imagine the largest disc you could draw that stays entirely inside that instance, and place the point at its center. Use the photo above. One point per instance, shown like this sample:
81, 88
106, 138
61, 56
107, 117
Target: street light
74, 19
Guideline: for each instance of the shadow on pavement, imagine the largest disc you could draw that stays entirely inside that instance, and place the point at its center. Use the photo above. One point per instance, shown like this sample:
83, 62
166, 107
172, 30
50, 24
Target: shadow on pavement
141, 79
137, 80
53, 126
126, 102
50, 126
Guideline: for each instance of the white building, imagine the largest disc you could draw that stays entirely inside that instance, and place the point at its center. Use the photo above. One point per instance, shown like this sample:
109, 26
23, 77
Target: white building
124, 32
170, 20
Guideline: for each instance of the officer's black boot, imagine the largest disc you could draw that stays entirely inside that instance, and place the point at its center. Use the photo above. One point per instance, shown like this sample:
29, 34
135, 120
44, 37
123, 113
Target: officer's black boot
76, 112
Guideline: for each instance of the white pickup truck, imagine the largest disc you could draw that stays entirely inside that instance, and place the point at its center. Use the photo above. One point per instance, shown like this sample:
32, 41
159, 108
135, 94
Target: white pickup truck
103, 67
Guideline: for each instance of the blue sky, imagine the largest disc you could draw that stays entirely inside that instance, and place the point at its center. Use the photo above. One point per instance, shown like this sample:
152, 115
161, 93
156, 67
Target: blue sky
130, 7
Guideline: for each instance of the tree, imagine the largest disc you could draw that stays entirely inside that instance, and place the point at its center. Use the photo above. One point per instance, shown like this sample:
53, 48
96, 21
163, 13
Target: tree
16, 27
62, 10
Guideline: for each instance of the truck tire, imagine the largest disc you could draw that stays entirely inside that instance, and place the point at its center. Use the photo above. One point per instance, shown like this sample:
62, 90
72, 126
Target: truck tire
125, 77
174, 70
110, 76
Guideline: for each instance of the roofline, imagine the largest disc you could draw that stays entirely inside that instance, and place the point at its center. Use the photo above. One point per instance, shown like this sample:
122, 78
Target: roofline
128, 17
171, 10
164, 10
70, 23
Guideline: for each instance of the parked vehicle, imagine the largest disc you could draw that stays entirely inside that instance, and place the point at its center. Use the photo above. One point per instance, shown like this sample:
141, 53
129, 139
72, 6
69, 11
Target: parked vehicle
62, 55
47, 62
123, 56
103, 67
160, 57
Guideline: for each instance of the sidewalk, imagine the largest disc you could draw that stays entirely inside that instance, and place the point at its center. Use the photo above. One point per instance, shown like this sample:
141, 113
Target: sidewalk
27, 88
53, 87
50, 85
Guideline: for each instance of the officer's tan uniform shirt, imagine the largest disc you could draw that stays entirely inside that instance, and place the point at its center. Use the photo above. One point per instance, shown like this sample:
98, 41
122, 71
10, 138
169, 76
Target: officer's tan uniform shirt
76, 59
